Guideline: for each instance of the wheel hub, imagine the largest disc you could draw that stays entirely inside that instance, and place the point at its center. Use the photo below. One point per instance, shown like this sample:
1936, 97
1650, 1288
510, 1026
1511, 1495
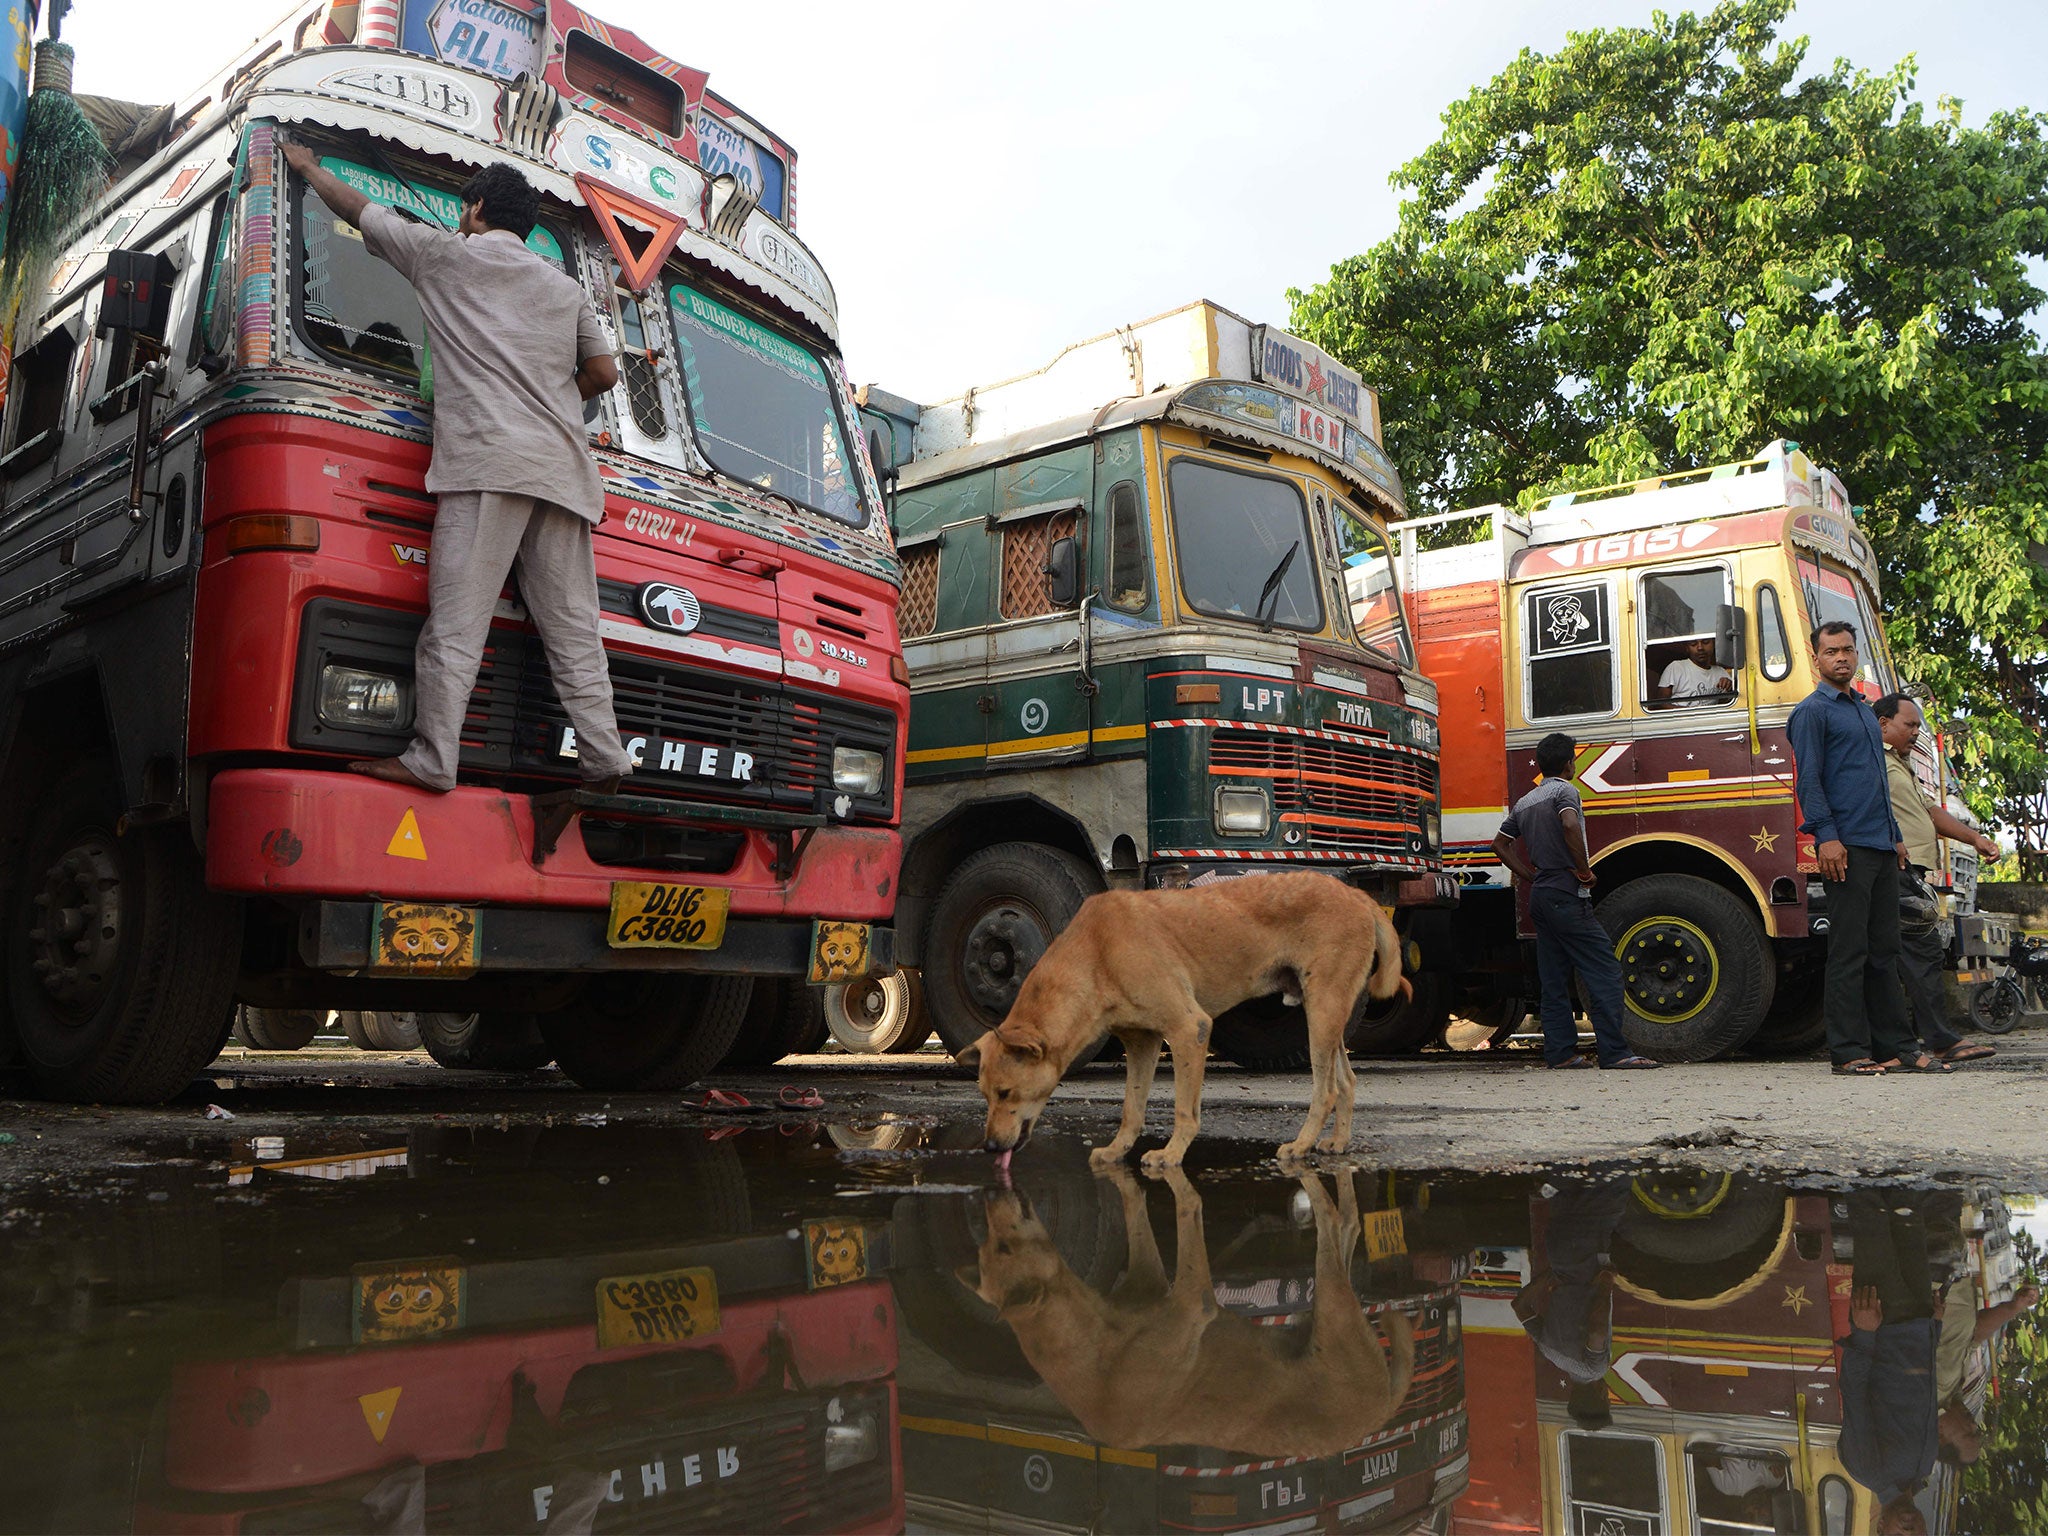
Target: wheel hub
1668, 968
869, 1012
75, 928
1003, 943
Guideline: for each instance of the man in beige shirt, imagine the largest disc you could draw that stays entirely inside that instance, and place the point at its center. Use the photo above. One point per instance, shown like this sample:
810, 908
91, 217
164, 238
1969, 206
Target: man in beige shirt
1924, 823
517, 349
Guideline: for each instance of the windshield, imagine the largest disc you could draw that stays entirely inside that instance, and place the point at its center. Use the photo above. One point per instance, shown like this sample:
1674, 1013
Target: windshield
1369, 589
1831, 593
353, 307
1241, 538
762, 407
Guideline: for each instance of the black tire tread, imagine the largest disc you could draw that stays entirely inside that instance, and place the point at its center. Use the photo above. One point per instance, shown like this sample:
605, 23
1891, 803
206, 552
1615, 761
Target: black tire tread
702, 1014
779, 1018
1724, 1025
182, 976
1064, 876
484, 1042
276, 1029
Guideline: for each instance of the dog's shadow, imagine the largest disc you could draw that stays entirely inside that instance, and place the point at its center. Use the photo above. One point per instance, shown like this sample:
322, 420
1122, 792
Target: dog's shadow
1156, 1362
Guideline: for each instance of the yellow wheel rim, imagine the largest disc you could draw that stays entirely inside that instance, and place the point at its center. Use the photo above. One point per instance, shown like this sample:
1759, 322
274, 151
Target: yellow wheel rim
1670, 969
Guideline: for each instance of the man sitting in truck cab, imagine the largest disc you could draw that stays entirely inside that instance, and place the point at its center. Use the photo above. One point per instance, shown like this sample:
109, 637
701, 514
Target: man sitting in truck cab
1694, 676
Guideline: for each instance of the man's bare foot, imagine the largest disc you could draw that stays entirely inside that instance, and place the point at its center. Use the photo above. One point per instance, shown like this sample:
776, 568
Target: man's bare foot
392, 771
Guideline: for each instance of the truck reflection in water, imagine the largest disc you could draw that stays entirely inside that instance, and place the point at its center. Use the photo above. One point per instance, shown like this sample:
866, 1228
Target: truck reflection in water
812, 1329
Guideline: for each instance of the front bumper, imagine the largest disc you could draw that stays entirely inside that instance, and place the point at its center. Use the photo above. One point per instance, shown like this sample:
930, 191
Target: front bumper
340, 937
290, 832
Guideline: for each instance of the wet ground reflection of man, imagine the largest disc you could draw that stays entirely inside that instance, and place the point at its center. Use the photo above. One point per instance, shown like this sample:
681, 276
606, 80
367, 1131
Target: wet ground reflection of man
1567, 1307
1890, 1411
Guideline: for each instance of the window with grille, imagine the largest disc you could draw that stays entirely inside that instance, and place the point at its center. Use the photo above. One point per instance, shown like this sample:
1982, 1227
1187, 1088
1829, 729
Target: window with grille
639, 347
917, 607
1027, 590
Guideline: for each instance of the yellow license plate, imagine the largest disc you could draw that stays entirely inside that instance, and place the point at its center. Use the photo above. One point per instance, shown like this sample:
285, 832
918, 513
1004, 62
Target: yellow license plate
650, 916
660, 1308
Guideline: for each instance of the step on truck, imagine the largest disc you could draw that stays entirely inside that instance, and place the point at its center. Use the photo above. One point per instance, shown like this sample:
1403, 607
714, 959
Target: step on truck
1582, 616
213, 568
1154, 641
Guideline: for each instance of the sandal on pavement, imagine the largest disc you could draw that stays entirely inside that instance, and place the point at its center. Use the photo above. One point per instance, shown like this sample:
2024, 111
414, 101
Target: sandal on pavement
1921, 1063
1570, 1064
1862, 1066
1629, 1064
1968, 1050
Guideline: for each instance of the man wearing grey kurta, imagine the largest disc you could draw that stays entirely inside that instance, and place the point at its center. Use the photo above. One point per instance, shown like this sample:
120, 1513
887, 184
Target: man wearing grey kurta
517, 349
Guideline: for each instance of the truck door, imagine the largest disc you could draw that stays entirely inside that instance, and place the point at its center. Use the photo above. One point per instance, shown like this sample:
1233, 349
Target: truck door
948, 599
1126, 588
1042, 711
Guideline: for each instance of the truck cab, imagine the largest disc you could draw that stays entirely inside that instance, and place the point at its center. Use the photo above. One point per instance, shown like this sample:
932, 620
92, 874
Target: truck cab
1155, 640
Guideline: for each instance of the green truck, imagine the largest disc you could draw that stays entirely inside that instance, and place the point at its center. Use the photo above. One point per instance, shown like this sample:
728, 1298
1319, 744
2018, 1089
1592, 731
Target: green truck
1154, 640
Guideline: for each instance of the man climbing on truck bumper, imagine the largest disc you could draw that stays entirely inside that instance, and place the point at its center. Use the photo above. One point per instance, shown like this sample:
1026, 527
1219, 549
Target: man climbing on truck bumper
511, 466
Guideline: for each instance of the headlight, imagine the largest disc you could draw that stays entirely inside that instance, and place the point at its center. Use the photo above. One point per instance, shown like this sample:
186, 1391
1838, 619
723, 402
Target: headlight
350, 696
1433, 828
1244, 812
852, 1439
856, 771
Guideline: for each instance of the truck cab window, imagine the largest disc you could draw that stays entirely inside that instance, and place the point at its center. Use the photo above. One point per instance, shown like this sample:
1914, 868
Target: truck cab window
214, 333
1570, 640
639, 346
917, 610
1129, 585
1369, 587
1679, 610
1774, 655
1244, 545
1027, 544
351, 307
762, 407
1614, 1482
35, 399
1738, 1490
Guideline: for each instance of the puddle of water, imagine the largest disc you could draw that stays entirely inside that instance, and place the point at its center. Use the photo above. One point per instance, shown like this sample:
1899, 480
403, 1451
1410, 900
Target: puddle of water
835, 1328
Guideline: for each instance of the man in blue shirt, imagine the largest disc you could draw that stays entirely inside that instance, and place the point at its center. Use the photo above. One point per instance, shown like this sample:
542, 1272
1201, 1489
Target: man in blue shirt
1845, 804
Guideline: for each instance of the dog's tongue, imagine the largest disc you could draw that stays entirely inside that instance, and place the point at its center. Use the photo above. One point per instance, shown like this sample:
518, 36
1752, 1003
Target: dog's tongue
1003, 1166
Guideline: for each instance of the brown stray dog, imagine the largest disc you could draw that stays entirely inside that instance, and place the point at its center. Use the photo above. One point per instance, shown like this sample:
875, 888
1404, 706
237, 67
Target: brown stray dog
1151, 1364
1153, 967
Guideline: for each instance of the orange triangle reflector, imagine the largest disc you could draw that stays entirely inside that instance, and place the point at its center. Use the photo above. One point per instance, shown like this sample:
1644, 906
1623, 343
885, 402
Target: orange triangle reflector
626, 222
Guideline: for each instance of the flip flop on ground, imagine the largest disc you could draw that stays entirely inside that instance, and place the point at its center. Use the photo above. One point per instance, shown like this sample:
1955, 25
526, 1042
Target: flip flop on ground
1968, 1050
1862, 1066
1629, 1064
1921, 1063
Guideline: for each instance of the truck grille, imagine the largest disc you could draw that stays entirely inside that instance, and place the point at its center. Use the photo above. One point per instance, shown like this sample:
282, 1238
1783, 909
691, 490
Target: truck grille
1351, 797
514, 723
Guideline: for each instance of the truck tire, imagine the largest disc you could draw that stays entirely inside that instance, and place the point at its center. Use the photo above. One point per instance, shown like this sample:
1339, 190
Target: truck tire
1400, 1026
879, 1015
277, 1029
1696, 971
1262, 1034
484, 1042
992, 921
786, 1017
1795, 1023
120, 965
647, 1033
379, 1031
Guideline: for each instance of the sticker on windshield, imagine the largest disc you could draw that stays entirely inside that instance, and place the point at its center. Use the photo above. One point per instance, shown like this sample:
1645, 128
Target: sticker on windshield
742, 332
414, 198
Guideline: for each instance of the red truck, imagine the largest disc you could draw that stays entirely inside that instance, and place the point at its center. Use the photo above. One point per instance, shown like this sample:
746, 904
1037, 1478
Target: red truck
213, 557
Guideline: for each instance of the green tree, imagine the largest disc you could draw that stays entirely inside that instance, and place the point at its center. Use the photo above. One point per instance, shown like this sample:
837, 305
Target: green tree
2007, 1488
1658, 248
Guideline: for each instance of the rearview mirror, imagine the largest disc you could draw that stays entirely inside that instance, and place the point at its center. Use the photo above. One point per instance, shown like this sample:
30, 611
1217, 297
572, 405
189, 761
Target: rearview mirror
1731, 631
1063, 568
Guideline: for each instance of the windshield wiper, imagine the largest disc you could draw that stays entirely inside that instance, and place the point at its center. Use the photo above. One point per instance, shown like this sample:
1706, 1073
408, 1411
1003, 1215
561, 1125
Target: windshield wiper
1270, 592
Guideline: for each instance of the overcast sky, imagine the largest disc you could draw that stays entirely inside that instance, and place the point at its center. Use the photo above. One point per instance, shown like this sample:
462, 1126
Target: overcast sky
988, 183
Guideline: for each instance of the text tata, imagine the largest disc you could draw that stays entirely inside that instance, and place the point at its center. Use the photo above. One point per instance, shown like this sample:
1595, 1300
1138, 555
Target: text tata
691, 1472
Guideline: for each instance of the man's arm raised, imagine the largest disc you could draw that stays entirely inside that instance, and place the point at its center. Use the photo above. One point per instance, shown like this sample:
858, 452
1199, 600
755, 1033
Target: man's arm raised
346, 202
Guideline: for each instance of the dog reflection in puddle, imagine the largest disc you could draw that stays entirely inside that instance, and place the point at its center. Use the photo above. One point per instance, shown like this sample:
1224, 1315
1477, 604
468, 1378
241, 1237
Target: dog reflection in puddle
1154, 1363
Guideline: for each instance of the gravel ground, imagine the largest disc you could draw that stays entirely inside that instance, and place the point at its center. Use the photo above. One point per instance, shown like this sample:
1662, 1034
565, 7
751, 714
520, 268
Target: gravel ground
1482, 1111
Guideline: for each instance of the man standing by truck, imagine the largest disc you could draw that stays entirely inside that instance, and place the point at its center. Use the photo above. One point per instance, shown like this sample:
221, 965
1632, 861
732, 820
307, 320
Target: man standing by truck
516, 350
1550, 822
1924, 823
1843, 803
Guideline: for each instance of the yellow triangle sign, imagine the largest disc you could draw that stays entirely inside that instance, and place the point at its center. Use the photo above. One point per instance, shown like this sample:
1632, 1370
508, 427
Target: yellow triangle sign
378, 1408
406, 842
